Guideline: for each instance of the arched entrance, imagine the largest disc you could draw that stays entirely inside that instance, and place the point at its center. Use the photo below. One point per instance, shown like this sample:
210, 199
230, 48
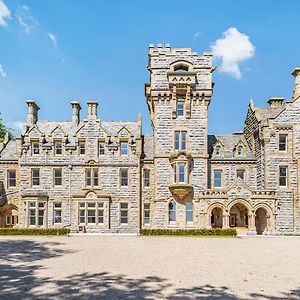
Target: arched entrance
261, 220
9, 215
238, 216
216, 219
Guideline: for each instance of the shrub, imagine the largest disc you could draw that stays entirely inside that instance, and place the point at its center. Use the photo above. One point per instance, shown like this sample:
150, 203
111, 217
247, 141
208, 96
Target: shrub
190, 232
34, 231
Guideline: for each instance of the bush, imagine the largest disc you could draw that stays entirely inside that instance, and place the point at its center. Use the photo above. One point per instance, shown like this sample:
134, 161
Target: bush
190, 232
34, 231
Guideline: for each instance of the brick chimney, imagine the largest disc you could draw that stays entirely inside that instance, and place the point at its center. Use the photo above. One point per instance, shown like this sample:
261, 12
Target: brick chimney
276, 102
32, 115
75, 112
92, 109
296, 92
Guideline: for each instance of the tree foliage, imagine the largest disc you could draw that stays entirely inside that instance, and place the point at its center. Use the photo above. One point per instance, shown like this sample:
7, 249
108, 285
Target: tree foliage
4, 130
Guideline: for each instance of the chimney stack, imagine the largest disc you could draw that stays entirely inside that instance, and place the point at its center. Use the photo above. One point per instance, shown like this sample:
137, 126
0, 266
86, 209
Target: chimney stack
32, 115
276, 102
92, 109
75, 112
296, 92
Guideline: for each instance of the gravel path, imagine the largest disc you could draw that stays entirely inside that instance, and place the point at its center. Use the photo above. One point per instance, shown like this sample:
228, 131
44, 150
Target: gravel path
130, 267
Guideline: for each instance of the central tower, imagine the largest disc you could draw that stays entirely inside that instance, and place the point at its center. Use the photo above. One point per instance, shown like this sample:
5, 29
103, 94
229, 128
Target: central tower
178, 97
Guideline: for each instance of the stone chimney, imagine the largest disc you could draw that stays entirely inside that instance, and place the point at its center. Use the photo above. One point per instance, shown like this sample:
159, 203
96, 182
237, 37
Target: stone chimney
296, 92
32, 115
75, 112
92, 109
275, 102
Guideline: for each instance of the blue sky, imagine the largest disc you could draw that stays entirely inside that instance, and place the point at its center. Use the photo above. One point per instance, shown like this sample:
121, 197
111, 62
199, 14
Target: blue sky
55, 51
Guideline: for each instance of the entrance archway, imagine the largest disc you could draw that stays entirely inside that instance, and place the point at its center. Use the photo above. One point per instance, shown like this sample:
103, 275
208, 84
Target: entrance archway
216, 219
261, 220
238, 216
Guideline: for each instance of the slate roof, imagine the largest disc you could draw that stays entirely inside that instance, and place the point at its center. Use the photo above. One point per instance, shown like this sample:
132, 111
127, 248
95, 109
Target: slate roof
148, 147
264, 113
112, 127
229, 142
10, 151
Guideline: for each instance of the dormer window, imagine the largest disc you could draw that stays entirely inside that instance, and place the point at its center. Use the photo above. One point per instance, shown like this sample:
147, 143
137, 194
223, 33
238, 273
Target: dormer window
218, 151
82, 148
240, 151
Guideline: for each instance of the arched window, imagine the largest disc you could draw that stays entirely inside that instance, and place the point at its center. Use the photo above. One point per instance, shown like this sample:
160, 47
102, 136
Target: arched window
181, 67
172, 211
189, 212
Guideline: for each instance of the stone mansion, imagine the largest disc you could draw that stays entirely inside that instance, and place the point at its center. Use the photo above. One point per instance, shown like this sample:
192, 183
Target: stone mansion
101, 176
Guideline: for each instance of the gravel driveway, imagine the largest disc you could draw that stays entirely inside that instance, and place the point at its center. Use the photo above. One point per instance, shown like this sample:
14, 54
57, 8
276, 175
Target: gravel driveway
131, 267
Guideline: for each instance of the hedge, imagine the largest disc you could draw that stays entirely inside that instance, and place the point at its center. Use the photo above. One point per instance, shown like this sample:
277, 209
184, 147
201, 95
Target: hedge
190, 232
34, 231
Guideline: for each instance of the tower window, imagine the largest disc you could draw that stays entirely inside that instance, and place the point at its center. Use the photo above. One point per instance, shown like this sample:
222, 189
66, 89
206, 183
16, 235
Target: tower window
180, 108
180, 140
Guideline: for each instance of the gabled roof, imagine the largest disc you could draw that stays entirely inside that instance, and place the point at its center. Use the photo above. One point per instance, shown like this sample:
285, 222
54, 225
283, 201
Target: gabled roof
264, 113
10, 151
229, 142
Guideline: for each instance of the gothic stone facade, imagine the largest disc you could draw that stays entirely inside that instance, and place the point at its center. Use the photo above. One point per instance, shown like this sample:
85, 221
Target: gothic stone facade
97, 176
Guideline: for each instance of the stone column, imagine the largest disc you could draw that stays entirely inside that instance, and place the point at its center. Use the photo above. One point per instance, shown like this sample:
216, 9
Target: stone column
251, 224
226, 216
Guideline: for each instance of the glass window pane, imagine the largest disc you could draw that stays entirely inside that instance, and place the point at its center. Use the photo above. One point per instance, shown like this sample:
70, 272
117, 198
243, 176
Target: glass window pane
101, 148
181, 173
172, 211
240, 174
146, 178
282, 142
58, 148
35, 148
11, 178
124, 148
41, 217
95, 174
124, 177
183, 140
91, 216
57, 216
177, 140
82, 216
32, 220
180, 108
189, 212
82, 148
217, 178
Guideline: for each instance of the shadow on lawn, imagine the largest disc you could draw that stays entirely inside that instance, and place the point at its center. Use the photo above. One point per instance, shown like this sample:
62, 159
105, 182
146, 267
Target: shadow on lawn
21, 258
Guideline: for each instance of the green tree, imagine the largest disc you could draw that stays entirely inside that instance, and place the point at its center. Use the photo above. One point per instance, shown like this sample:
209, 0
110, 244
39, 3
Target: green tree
4, 130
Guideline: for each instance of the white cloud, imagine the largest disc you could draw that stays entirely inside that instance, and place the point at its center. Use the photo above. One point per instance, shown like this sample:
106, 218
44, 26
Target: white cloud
4, 13
52, 37
196, 35
25, 19
2, 72
233, 48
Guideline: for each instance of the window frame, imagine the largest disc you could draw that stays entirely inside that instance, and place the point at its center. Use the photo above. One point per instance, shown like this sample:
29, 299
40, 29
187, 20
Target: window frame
244, 174
283, 177
148, 212
180, 102
172, 210
102, 143
189, 210
58, 142
124, 210
83, 212
121, 177
146, 179
80, 152
9, 179
37, 178
55, 210
55, 177
33, 148
215, 178
180, 140
285, 142
94, 175
126, 153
